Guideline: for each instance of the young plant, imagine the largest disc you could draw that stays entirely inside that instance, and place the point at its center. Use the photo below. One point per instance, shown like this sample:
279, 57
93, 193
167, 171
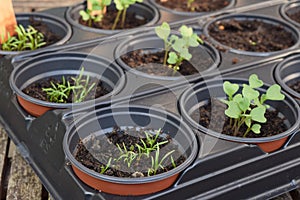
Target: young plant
60, 92
96, 5
128, 156
157, 163
26, 39
122, 6
179, 45
249, 107
104, 168
189, 4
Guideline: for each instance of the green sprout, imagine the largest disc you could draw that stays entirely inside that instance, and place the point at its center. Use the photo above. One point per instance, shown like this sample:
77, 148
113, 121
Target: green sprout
97, 5
25, 39
156, 163
179, 45
249, 107
128, 156
189, 4
104, 168
122, 6
60, 92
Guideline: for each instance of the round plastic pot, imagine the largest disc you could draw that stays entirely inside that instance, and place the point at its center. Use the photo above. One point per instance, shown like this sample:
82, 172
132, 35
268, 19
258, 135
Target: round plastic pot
141, 9
151, 42
57, 25
264, 18
101, 121
58, 65
200, 94
189, 14
288, 72
290, 8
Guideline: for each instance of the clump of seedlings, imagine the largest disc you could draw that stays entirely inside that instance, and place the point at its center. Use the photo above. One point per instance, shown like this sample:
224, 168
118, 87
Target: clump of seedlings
248, 107
177, 48
96, 7
25, 39
79, 89
135, 156
122, 6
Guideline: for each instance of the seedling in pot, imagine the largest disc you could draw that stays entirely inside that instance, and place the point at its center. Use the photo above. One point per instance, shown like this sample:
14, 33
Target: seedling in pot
249, 107
79, 89
98, 6
177, 48
190, 4
122, 6
157, 163
25, 39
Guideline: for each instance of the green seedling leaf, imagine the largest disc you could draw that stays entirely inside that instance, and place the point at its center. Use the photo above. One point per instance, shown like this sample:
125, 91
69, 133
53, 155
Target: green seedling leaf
85, 16
248, 121
274, 93
256, 128
172, 59
230, 88
163, 31
186, 31
233, 110
258, 114
243, 102
249, 92
255, 82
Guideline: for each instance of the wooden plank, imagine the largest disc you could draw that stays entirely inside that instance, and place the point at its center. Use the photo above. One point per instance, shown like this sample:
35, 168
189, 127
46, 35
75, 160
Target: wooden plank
23, 183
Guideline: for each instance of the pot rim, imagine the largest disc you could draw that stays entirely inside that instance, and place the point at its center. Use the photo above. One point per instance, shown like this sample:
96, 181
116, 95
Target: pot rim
86, 57
191, 14
219, 82
285, 63
50, 17
262, 17
125, 109
74, 23
285, 7
152, 36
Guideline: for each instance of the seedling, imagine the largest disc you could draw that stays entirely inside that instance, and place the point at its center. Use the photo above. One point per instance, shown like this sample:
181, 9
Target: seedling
128, 156
179, 45
157, 163
96, 5
104, 168
60, 92
26, 39
189, 4
249, 107
122, 6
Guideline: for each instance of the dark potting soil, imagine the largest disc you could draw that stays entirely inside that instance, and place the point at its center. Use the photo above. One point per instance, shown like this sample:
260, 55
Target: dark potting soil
131, 21
35, 89
152, 63
96, 152
216, 120
295, 86
197, 5
294, 15
251, 35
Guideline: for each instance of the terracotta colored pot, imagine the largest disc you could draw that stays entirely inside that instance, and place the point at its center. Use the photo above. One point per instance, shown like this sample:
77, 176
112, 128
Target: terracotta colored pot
101, 121
63, 64
200, 93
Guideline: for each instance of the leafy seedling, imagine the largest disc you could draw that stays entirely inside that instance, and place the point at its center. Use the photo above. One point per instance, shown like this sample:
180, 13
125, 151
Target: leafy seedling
104, 168
25, 39
96, 5
157, 163
179, 45
249, 106
122, 6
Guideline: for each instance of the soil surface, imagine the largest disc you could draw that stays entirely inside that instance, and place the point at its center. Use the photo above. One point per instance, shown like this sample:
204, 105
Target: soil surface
152, 63
251, 35
217, 121
35, 89
96, 152
132, 21
295, 86
294, 15
197, 5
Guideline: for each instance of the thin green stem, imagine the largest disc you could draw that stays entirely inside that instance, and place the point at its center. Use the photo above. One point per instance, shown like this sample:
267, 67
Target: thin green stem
123, 17
116, 20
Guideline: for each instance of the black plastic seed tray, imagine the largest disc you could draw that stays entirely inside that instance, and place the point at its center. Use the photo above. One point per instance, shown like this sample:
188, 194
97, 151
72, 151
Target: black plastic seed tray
228, 170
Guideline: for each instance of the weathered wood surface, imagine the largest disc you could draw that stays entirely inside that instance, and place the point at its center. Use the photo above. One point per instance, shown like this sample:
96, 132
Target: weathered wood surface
38, 5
